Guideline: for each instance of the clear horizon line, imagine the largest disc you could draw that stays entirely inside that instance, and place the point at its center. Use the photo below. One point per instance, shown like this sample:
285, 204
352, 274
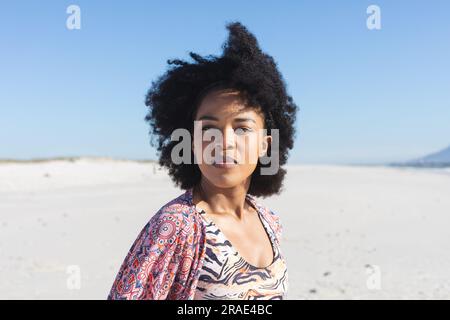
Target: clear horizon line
74, 158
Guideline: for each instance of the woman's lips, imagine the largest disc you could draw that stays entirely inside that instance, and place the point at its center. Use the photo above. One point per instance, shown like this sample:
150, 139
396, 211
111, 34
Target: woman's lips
224, 165
226, 162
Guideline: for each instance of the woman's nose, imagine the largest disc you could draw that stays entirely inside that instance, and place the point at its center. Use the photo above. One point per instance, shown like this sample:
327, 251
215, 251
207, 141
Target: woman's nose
228, 139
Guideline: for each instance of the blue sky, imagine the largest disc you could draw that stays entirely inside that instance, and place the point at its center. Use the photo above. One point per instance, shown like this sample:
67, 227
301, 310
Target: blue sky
365, 96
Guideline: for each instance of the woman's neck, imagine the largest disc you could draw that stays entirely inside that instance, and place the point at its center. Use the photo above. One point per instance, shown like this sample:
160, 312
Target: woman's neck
222, 200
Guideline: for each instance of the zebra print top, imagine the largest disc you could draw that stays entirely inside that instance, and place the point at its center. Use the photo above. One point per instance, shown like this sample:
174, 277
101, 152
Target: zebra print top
226, 275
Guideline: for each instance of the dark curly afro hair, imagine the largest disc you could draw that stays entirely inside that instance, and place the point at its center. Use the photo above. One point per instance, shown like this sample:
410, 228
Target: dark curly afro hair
175, 96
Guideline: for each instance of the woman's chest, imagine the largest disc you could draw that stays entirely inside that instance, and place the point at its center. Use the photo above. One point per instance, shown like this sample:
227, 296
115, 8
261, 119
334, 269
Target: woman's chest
252, 240
225, 274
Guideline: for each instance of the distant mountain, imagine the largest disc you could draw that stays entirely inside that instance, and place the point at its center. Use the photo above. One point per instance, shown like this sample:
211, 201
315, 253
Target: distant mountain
437, 159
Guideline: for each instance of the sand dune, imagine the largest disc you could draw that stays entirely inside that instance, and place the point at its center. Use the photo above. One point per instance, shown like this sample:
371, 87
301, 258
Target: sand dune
350, 232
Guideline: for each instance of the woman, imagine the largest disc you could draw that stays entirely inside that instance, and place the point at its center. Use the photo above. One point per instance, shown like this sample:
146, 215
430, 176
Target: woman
216, 241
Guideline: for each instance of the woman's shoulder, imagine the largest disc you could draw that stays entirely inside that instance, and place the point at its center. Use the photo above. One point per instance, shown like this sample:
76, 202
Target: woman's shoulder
174, 218
177, 208
152, 268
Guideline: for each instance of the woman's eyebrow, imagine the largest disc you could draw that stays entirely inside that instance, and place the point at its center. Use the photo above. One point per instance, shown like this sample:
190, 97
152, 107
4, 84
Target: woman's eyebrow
208, 117
244, 119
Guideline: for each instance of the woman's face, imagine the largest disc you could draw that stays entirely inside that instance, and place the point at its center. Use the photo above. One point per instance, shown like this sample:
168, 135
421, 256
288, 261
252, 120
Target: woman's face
228, 138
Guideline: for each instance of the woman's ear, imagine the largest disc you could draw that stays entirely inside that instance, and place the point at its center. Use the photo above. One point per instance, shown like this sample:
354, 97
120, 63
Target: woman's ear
265, 143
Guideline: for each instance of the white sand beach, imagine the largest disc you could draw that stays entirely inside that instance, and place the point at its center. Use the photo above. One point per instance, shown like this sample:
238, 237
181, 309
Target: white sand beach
350, 232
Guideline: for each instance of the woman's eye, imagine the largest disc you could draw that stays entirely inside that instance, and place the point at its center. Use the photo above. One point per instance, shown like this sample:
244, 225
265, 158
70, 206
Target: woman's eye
242, 130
